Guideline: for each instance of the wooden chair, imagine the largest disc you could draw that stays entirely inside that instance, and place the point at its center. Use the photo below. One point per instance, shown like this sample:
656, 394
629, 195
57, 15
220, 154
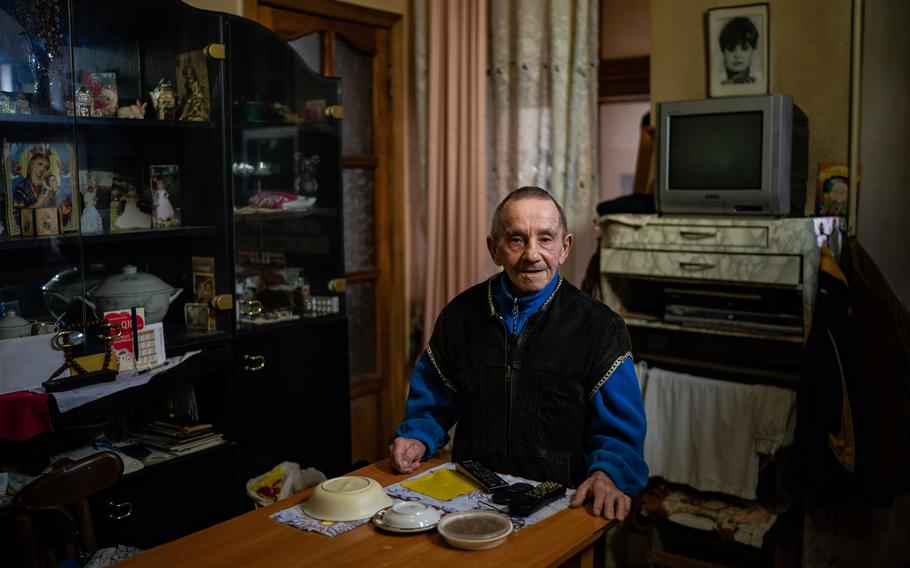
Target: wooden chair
53, 509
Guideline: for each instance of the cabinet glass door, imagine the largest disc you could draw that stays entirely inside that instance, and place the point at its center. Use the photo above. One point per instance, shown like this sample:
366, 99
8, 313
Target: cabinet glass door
40, 252
286, 176
150, 163
113, 170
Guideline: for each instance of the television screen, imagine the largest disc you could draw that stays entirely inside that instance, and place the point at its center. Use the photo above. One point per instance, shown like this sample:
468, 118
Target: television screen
715, 151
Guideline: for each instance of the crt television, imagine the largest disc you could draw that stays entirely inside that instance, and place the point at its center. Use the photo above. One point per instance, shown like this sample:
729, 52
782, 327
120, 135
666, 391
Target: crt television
732, 156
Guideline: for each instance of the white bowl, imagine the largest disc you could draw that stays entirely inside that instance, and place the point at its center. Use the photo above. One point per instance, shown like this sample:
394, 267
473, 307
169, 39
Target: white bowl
411, 515
475, 530
348, 498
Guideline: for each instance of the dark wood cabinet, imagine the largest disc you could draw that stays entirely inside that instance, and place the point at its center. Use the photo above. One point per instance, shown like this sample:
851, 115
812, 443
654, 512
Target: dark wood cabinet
292, 395
255, 143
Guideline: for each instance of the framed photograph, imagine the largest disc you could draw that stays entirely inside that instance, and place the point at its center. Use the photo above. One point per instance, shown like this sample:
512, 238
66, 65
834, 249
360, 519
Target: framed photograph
165, 183
738, 50
196, 315
104, 91
40, 175
203, 287
130, 206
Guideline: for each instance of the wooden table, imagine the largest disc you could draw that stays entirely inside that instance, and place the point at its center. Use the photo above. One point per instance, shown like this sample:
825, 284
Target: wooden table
253, 539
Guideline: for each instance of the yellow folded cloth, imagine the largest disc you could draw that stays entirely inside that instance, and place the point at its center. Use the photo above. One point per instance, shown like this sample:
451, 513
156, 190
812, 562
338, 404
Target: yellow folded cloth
443, 484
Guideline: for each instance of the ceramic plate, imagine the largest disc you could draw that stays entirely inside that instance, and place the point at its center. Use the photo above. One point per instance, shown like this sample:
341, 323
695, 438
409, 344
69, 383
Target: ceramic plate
377, 520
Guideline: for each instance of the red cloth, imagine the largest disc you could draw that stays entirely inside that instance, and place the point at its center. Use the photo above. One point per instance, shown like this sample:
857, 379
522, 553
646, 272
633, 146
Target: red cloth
24, 415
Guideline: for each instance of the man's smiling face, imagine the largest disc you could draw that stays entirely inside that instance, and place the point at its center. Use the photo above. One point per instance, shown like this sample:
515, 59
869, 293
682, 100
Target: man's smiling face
530, 244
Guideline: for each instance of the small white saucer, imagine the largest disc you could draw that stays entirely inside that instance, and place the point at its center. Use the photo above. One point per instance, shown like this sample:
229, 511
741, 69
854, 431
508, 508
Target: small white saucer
380, 523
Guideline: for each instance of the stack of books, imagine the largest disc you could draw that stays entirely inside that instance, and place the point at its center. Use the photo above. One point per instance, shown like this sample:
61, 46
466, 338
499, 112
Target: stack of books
179, 439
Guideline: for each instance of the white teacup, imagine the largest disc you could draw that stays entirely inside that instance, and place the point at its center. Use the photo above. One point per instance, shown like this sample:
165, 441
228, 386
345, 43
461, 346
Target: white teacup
411, 515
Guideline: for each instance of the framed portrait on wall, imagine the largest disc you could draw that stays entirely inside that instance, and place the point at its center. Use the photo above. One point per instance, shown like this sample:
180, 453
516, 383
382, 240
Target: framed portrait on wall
737, 50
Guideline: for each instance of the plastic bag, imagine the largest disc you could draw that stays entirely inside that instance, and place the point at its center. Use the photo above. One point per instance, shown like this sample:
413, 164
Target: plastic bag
283, 480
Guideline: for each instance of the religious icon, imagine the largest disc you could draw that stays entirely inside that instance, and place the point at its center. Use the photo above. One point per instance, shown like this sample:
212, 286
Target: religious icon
40, 175
193, 86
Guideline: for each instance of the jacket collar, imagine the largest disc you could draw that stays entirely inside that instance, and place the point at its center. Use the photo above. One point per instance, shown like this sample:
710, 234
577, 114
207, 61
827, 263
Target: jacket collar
498, 293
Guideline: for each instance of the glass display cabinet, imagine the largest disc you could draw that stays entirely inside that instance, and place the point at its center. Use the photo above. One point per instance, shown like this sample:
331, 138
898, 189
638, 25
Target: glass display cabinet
291, 330
171, 176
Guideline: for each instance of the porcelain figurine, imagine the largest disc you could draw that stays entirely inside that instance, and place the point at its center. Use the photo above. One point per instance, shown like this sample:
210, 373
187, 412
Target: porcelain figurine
85, 102
164, 99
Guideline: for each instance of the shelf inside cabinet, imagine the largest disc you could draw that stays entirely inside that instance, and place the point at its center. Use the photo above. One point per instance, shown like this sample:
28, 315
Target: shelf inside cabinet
83, 122
241, 215
656, 324
128, 235
143, 234
306, 128
286, 325
145, 123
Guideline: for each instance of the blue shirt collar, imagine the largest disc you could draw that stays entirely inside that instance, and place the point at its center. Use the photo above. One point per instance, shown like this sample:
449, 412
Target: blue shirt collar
503, 298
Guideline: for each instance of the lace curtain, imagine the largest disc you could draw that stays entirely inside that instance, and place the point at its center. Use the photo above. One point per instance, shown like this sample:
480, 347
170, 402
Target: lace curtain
542, 102
489, 120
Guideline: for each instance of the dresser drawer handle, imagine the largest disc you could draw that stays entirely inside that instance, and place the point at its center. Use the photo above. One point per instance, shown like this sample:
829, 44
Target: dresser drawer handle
696, 236
695, 265
257, 363
119, 511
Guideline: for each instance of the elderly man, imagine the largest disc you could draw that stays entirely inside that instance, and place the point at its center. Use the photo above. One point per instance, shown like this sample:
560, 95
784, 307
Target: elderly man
538, 376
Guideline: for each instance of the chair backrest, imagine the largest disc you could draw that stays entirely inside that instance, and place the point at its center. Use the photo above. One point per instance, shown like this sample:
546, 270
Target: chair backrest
54, 508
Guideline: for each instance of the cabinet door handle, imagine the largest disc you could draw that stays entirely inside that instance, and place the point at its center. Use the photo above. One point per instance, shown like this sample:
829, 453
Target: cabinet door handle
119, 511
250, 308
256, 363
695, 265
696, 235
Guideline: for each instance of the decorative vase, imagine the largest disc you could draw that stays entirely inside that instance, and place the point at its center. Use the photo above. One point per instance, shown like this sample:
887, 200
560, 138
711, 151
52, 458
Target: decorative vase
40, 62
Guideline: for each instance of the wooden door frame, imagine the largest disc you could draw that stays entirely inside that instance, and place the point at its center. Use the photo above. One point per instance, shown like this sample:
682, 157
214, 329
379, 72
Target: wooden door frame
391, 209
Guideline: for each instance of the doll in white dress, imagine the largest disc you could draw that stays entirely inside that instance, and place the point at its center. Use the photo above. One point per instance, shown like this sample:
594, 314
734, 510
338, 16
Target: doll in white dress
164, 211
90, 219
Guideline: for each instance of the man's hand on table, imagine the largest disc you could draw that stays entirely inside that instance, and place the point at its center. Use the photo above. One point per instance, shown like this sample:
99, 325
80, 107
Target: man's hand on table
406, 454
608, 499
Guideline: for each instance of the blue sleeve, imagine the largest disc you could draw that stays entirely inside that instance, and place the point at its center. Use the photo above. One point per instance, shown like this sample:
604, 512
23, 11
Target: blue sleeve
616, 432
431, 409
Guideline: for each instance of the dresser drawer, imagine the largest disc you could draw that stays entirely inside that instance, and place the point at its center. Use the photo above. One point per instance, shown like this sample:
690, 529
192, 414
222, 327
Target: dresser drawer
688, 236
782, 270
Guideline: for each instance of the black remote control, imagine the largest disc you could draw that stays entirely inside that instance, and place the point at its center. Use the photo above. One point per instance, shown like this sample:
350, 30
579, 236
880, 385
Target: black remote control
504, 496
526, 503
481, 475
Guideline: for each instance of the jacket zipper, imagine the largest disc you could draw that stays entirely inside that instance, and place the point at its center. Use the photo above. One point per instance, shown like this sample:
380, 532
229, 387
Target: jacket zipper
510, 358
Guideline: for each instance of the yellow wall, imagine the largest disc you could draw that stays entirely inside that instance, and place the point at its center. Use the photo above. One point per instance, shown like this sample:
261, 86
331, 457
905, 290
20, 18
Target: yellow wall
625, 28
809, 60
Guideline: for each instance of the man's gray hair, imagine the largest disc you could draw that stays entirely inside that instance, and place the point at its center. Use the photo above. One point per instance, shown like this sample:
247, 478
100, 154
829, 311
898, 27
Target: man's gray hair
526, 192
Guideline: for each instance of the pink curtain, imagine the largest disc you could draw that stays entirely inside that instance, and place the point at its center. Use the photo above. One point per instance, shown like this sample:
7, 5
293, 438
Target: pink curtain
456, 167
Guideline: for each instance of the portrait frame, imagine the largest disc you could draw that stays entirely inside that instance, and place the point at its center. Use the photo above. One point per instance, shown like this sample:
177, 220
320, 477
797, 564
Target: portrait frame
742, 69
197, 316
165, 196
53, 187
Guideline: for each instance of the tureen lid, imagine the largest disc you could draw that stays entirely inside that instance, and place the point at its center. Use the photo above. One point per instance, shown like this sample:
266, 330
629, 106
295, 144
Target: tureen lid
131, 282
13, 321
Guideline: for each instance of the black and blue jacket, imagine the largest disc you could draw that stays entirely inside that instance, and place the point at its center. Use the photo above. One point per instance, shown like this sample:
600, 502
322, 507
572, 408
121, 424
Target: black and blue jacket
541, 386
